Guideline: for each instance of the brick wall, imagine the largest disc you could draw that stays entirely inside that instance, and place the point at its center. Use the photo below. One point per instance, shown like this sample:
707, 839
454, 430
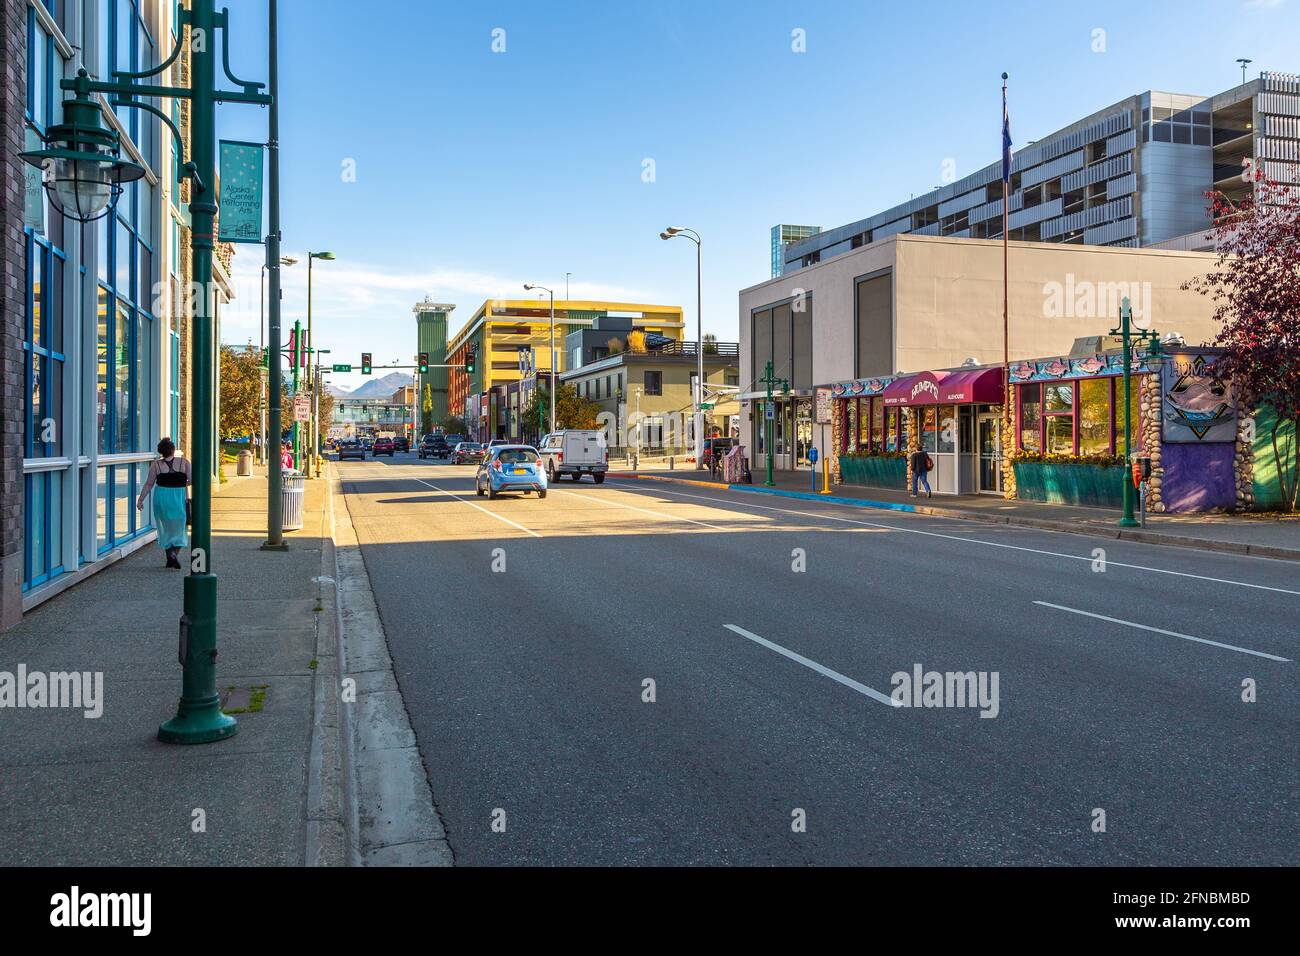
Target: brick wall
13, 289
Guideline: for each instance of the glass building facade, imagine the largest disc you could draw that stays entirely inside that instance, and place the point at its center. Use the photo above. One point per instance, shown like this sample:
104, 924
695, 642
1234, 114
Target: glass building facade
101, 348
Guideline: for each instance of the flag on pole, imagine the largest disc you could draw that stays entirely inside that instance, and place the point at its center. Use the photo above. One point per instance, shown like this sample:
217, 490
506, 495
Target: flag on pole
1006, 135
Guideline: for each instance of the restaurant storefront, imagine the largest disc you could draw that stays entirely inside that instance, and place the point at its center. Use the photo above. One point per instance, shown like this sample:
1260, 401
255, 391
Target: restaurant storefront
953, 414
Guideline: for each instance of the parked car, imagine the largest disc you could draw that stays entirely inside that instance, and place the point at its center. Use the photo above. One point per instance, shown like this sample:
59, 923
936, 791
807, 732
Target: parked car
383, 446
433, 446
575, 452
467, 453
511, 468
453, 440
351, 449
367, 443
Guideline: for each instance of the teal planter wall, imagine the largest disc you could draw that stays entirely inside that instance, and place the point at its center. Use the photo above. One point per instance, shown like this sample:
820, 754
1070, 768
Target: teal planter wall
1070, 484
873, 472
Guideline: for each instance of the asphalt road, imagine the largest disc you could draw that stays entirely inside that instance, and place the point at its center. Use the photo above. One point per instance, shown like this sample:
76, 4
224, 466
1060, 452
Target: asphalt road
772, 737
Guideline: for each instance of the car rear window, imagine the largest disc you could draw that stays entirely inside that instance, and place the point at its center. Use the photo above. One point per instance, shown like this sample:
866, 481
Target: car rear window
515, 456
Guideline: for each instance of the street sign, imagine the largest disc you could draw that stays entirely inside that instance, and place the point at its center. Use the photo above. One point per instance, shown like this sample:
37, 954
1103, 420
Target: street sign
771, 410
823, 406
301, 408
706, 406
342, 368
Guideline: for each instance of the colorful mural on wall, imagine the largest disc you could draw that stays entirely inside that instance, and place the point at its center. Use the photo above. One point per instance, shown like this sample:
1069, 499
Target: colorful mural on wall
1055, 369
1195, 407
860, 386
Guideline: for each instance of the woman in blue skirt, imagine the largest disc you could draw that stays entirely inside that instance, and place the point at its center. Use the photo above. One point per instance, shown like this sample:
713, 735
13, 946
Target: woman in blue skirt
169, 477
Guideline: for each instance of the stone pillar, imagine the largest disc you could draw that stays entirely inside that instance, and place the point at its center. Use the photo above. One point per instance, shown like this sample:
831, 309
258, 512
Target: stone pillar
1148, 437
911, 438
1243, 456
837, 436
1008, 438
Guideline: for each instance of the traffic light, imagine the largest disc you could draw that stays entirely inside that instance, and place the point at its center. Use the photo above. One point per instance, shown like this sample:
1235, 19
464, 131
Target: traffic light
470, 356
424, 363
365, 363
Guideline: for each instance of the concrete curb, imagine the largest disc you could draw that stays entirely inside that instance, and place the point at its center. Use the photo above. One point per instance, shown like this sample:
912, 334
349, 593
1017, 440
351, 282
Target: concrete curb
328, 798
1038, 524
391, 818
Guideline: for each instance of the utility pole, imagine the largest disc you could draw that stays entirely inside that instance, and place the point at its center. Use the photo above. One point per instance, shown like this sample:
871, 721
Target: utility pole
275, 373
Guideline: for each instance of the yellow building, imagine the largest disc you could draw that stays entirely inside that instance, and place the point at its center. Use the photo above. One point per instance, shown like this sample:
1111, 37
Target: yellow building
511, 339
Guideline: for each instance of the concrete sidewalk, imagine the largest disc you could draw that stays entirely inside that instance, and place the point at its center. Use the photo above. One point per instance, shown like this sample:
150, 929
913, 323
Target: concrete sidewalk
1269, 536
104, 791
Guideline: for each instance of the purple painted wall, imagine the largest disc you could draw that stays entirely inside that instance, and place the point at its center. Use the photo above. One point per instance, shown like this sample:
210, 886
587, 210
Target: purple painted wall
1197, 477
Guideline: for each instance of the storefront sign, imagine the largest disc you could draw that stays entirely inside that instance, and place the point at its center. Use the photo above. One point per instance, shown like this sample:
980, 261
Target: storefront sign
240, 219
1195, 407
963, 386
860, 386
823, 406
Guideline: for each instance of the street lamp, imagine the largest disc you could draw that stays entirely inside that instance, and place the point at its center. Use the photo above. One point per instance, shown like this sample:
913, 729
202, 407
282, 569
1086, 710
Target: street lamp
314, 437
261, 331
678, 232
85, 174
529, 287
1244, 63
1151, 340
81, 164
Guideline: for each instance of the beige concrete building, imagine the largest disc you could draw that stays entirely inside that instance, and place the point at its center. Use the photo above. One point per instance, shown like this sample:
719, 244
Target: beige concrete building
915, 303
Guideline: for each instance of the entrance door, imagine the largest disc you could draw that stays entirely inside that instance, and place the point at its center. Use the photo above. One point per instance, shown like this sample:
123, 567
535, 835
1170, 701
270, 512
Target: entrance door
803, 432
990, 451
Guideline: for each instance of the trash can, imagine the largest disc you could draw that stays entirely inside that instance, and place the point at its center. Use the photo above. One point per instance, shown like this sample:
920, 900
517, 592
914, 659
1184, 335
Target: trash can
292, 496
245, 467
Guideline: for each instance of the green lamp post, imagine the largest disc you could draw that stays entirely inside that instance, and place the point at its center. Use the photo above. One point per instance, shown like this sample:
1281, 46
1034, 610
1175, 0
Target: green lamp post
313, 444
770, 380
84, 173
1151, 340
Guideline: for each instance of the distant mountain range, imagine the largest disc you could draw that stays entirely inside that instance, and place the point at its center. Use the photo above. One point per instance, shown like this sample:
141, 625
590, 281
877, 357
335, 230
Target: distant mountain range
376, 388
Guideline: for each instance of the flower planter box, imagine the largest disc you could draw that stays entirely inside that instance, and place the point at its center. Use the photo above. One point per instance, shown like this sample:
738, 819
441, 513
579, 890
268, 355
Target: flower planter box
1064, 483
873, 471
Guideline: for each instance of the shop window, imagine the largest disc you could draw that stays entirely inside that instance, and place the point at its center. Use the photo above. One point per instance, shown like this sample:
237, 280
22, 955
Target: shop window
877, 425
947, 428
892, 420
1031, 405
929, 428
852, 424
1059, 433
864, 424
1094, 416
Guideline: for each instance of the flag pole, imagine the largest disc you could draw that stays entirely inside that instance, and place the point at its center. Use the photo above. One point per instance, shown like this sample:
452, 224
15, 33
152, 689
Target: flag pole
1007, 415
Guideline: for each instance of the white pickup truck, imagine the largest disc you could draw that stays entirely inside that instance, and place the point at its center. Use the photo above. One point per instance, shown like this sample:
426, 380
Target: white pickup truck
574, 452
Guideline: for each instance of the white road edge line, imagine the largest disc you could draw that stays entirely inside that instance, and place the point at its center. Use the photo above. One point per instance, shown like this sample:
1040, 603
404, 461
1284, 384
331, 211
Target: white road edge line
953, 537
472, 504
1158, 630
813, 665
619, 504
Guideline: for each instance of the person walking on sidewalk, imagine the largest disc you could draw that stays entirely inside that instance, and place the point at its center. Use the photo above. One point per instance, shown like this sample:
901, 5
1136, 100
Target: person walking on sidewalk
921, 465
169, 477
286, 457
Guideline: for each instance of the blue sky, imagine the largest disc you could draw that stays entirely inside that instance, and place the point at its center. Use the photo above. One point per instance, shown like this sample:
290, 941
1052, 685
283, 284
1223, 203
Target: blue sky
477, 171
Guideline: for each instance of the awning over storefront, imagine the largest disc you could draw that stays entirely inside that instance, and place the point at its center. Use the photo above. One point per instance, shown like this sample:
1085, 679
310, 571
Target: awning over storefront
981, 385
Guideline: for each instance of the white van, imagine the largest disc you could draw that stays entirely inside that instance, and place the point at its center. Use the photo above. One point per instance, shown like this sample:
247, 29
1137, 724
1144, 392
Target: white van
574, 452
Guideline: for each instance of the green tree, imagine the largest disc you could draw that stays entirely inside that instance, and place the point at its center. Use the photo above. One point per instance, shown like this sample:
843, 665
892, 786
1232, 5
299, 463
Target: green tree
241, 390
426, 410
454, 426
571, 409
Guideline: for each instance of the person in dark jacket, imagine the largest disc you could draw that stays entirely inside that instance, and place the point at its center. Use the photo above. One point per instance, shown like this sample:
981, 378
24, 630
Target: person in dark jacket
921, 465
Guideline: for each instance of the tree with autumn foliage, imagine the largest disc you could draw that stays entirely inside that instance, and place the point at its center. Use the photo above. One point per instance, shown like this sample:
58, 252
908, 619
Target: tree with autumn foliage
1255, 285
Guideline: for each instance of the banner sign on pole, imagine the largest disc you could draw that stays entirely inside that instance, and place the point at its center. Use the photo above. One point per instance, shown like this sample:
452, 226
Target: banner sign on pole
240, 219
